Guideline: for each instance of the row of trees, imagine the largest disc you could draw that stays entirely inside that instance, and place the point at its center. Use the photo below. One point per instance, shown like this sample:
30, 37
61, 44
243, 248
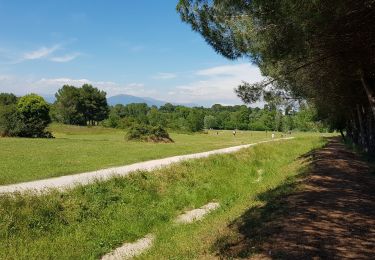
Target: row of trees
28, 116
88, 106
195, 119
320, 51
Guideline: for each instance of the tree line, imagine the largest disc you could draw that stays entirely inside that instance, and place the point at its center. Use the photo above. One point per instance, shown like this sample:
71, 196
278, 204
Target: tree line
28, 116
320, 51
186, 119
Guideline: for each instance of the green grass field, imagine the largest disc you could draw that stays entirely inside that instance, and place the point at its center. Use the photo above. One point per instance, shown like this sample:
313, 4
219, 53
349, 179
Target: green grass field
90, 221
79, 149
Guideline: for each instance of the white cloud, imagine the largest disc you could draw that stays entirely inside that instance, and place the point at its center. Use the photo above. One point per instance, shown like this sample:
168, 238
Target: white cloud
65, 58
61, 81
165, 75
40, 53
136, 85
223, 70
206, 86
53, 53
51, 85
216, 84
48, 86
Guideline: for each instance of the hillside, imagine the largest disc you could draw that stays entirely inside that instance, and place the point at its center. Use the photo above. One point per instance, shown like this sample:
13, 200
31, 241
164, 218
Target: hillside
128, 99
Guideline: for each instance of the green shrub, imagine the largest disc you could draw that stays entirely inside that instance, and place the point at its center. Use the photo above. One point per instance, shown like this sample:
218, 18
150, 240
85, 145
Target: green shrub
11, 123
148, 133
26, 118
34, 111
7, 99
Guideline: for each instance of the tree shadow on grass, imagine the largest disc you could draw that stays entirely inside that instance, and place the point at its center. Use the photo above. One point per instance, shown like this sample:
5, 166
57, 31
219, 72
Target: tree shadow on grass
330, 216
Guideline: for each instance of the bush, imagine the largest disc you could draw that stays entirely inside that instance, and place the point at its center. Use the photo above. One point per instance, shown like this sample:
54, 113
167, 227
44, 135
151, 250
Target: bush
148, 133
7, 99
11, 123
27, 118
34, 111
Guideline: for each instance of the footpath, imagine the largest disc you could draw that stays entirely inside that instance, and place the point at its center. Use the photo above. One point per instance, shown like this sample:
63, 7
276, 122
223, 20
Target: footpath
330, 216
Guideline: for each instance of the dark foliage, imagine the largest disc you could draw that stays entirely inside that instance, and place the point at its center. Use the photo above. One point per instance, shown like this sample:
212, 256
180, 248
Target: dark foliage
148, 133
80, 106
319, 51
185, 119
24, 117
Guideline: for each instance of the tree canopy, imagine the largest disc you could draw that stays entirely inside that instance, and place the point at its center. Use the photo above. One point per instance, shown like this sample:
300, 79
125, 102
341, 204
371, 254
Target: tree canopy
319, 51
27, 116
186, 119
80, 106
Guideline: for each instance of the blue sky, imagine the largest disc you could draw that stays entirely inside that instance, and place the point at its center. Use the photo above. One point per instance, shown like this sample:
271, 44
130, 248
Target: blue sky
123, 47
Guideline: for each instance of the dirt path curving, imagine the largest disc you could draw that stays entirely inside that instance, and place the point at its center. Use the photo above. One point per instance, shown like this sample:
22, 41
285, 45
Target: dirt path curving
332, 215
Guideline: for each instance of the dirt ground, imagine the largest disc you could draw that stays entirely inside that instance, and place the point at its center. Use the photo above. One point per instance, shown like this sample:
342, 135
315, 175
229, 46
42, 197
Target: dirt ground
329, 214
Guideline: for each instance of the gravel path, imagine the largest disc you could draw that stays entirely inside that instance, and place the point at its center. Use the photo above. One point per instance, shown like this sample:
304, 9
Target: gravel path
69, 181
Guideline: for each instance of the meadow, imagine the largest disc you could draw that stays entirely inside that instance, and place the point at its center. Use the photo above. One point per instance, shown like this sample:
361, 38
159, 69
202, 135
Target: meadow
78, 149
89, 221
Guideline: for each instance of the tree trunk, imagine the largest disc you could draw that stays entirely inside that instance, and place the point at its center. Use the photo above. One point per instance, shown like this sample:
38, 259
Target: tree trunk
361, 128
354, 124
369, 92
342, 135
370, 133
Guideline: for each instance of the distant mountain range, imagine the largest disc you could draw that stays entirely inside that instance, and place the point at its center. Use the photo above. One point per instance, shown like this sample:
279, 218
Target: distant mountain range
128, 99
124, 99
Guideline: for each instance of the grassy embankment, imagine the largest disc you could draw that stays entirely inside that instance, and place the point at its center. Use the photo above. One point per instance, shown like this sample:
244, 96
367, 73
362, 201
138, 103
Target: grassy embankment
80, 149
90, 221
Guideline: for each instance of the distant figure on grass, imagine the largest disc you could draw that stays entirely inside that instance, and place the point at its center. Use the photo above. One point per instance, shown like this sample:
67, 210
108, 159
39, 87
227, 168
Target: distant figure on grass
273, 136
234, 132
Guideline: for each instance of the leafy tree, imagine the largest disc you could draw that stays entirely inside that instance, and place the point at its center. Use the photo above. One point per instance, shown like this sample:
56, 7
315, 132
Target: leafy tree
7, 99
69, 107
306, 118
155, 117
168, 108
81, 106
210, 122
138, 111
187, 119
195, 121
319, 51
113, 120
94, 104
34, 113
240, 118
11, 123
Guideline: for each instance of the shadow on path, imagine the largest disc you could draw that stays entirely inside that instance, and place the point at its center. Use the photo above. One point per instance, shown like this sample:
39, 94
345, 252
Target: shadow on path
330, 216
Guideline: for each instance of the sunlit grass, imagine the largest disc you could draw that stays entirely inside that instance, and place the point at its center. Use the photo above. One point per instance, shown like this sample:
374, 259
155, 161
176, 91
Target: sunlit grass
90, 221
78, 149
